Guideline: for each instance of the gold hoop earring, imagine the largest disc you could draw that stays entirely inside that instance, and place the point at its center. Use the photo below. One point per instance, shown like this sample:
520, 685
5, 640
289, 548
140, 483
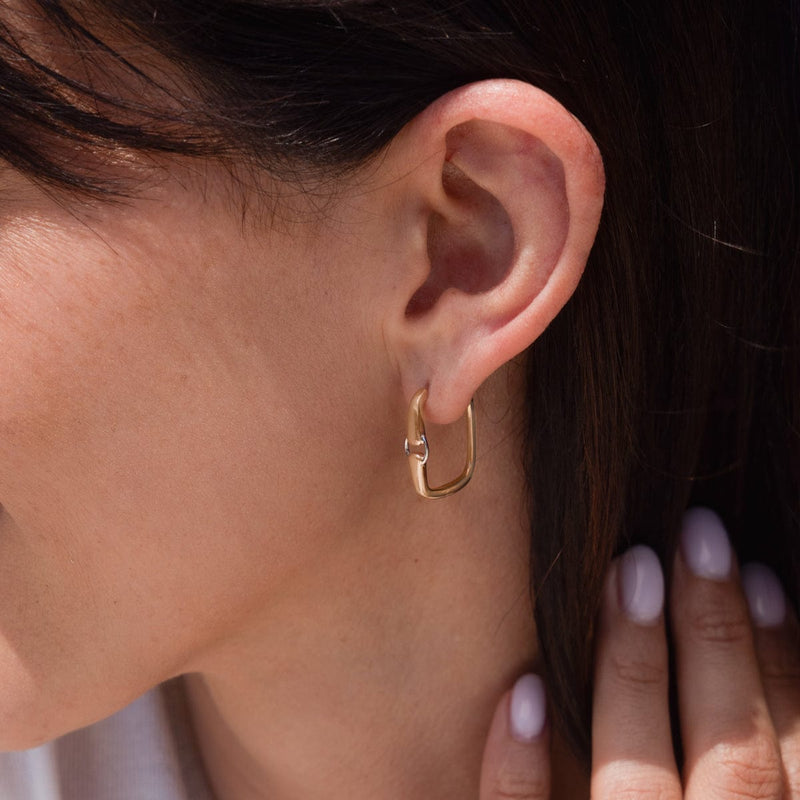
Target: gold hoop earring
418, 461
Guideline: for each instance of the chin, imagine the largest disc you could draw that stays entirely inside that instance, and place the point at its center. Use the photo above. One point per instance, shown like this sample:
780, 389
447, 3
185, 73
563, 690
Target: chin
26, 736
31, 715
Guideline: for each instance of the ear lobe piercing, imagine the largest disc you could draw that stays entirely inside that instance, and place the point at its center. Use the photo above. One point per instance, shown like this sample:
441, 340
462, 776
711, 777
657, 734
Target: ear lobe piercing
418, 461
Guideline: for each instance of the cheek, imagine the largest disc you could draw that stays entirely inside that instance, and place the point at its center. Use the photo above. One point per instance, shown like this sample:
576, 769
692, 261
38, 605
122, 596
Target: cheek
131, 475
162, 409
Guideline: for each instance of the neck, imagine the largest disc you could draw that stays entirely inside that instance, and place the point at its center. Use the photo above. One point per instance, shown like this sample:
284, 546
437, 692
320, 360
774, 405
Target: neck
377, 674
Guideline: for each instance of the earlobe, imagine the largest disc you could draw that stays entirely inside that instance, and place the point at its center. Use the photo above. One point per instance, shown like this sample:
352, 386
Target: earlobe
513, 202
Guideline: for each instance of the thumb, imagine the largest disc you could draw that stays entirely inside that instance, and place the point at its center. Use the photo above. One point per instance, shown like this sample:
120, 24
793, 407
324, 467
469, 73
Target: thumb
516, 760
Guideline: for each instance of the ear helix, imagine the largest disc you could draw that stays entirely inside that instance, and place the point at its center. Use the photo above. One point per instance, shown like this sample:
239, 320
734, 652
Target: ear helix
418, 461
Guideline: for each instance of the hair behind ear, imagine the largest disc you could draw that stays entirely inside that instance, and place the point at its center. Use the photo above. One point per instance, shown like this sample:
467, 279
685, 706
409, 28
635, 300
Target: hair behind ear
667, 379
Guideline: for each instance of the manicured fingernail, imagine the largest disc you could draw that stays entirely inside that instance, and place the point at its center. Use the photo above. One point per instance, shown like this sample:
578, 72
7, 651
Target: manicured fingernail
528, 708
640, 582
764, 595
705, 546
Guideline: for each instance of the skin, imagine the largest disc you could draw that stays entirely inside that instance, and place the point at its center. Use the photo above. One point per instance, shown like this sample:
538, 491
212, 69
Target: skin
201, 461
738, 690
197, 470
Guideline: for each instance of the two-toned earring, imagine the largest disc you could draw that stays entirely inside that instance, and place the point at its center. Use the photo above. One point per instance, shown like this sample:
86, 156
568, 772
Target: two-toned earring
418, 456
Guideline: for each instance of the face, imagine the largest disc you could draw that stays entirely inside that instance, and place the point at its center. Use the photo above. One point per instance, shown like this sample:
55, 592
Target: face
172, 373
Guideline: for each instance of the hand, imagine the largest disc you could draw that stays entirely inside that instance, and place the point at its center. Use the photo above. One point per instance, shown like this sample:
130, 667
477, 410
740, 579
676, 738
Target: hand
738, 686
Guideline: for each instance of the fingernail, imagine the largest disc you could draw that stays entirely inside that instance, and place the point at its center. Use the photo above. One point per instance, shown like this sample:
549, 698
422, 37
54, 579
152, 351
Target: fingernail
640, 582
764, 595
704, 544
528, 708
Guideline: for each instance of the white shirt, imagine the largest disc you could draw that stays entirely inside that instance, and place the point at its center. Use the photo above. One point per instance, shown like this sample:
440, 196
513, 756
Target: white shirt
146, 751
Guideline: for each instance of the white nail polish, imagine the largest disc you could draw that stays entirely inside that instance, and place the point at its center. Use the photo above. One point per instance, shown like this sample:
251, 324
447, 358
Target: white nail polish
641, 585
528, 708
765, 596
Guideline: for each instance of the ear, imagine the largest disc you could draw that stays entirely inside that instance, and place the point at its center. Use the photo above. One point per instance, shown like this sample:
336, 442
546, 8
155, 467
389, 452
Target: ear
510, 187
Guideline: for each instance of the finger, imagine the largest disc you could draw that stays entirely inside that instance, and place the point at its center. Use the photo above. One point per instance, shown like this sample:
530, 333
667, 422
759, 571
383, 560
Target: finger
632, 752
777, 641
730, 743
516, 760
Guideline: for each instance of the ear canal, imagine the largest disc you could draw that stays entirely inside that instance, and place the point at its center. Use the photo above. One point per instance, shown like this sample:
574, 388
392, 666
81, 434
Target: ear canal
471, 248
495, 180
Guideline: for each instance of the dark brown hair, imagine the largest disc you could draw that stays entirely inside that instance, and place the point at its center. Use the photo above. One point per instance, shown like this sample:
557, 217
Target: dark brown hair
672, 376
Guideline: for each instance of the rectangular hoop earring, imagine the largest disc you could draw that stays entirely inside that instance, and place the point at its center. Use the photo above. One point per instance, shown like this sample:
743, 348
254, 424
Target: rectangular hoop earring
418, 462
